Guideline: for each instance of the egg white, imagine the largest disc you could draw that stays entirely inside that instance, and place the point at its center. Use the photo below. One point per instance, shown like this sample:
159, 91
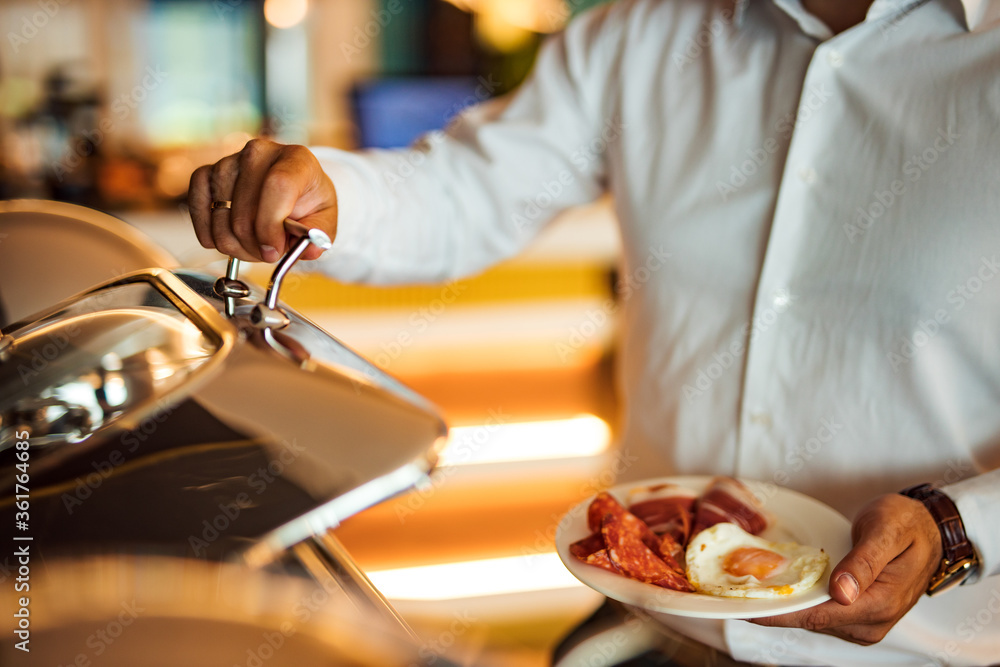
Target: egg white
707, 552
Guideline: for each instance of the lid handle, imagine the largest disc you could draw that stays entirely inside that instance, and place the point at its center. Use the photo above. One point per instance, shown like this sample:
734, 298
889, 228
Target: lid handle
231, 287
267, 315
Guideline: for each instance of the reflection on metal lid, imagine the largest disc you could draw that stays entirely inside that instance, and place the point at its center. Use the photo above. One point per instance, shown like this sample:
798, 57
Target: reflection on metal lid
237, 440
109, 354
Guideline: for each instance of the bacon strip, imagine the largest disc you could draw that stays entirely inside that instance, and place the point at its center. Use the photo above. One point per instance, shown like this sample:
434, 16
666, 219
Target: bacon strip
587, 546
665, 508
628, 552
671, 551
728, 499
624, 540
601, 559
664, 546
603, 503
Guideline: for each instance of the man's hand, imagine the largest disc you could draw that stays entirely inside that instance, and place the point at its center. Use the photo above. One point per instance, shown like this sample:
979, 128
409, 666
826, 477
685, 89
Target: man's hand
897, 547
266, 183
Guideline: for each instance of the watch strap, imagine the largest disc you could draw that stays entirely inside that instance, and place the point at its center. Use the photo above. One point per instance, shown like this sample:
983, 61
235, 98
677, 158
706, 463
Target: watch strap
955, 544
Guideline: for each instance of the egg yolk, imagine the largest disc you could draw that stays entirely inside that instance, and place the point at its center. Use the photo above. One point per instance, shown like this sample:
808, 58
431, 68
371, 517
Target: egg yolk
760, 563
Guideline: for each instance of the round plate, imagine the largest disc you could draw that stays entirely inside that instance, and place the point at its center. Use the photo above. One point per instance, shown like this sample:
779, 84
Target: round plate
796, 517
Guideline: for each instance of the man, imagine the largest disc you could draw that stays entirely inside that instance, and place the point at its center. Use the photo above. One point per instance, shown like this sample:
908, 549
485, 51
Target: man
824, 178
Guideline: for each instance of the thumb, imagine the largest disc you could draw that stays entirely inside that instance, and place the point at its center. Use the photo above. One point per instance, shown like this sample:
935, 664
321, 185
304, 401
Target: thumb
876, 544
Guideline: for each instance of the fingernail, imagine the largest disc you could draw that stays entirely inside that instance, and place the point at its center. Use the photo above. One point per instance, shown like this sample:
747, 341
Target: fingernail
268, 253
848, 586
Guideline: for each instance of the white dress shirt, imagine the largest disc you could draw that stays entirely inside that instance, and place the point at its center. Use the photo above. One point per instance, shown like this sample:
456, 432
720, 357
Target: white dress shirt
811, 280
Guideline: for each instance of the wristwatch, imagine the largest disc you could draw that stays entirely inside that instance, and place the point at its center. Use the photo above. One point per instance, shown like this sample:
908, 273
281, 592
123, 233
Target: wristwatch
959, 561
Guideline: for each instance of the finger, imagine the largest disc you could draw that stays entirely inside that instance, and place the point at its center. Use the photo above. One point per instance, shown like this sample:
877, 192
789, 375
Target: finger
879, 537
295, 187
829, 617
858, 633
254, 161
861, 626
199, 205
223, 180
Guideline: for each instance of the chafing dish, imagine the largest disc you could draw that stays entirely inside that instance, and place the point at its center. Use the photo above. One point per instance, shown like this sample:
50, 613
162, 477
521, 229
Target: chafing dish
196, 417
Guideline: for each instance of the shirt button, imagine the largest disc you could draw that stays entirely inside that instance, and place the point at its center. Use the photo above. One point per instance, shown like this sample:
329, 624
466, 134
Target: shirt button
780, 298
760, 419
835, 58
808, 175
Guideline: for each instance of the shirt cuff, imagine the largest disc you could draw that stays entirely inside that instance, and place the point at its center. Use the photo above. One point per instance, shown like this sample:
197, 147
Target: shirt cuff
350, 207
978, 502
347, 260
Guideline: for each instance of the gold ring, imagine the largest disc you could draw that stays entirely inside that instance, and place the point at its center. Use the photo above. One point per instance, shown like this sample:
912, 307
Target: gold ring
221, 203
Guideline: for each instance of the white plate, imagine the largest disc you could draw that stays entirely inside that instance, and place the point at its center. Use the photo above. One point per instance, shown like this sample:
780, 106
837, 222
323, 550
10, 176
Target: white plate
796, 517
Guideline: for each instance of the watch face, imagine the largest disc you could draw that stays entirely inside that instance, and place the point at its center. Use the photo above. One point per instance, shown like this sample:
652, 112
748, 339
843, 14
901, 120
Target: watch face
951, 575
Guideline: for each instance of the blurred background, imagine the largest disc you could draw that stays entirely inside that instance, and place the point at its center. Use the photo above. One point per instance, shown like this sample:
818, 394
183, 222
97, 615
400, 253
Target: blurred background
113, 103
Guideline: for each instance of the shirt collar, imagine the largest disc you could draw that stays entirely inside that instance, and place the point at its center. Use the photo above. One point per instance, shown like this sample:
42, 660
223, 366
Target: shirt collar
978, 13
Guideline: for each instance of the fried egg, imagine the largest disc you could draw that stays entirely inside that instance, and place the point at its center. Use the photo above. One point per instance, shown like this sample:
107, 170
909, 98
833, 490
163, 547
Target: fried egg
727, 561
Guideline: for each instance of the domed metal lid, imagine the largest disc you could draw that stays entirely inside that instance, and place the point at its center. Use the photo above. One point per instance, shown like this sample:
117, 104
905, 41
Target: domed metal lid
200, 416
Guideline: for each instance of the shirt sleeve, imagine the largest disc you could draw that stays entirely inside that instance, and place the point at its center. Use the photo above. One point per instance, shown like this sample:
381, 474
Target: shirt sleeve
978, 502
463, 199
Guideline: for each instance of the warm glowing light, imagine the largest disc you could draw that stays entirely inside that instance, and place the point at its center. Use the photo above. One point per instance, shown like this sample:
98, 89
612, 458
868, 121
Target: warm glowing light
477, 578
174, 174
494, 30
506, 25
285, 13
584, 435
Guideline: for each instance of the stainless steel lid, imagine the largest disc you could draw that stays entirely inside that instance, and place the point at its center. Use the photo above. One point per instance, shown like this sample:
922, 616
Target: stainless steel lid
200, 416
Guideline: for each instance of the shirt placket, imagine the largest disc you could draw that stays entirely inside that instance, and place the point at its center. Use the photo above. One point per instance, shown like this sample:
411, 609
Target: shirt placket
765, 401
